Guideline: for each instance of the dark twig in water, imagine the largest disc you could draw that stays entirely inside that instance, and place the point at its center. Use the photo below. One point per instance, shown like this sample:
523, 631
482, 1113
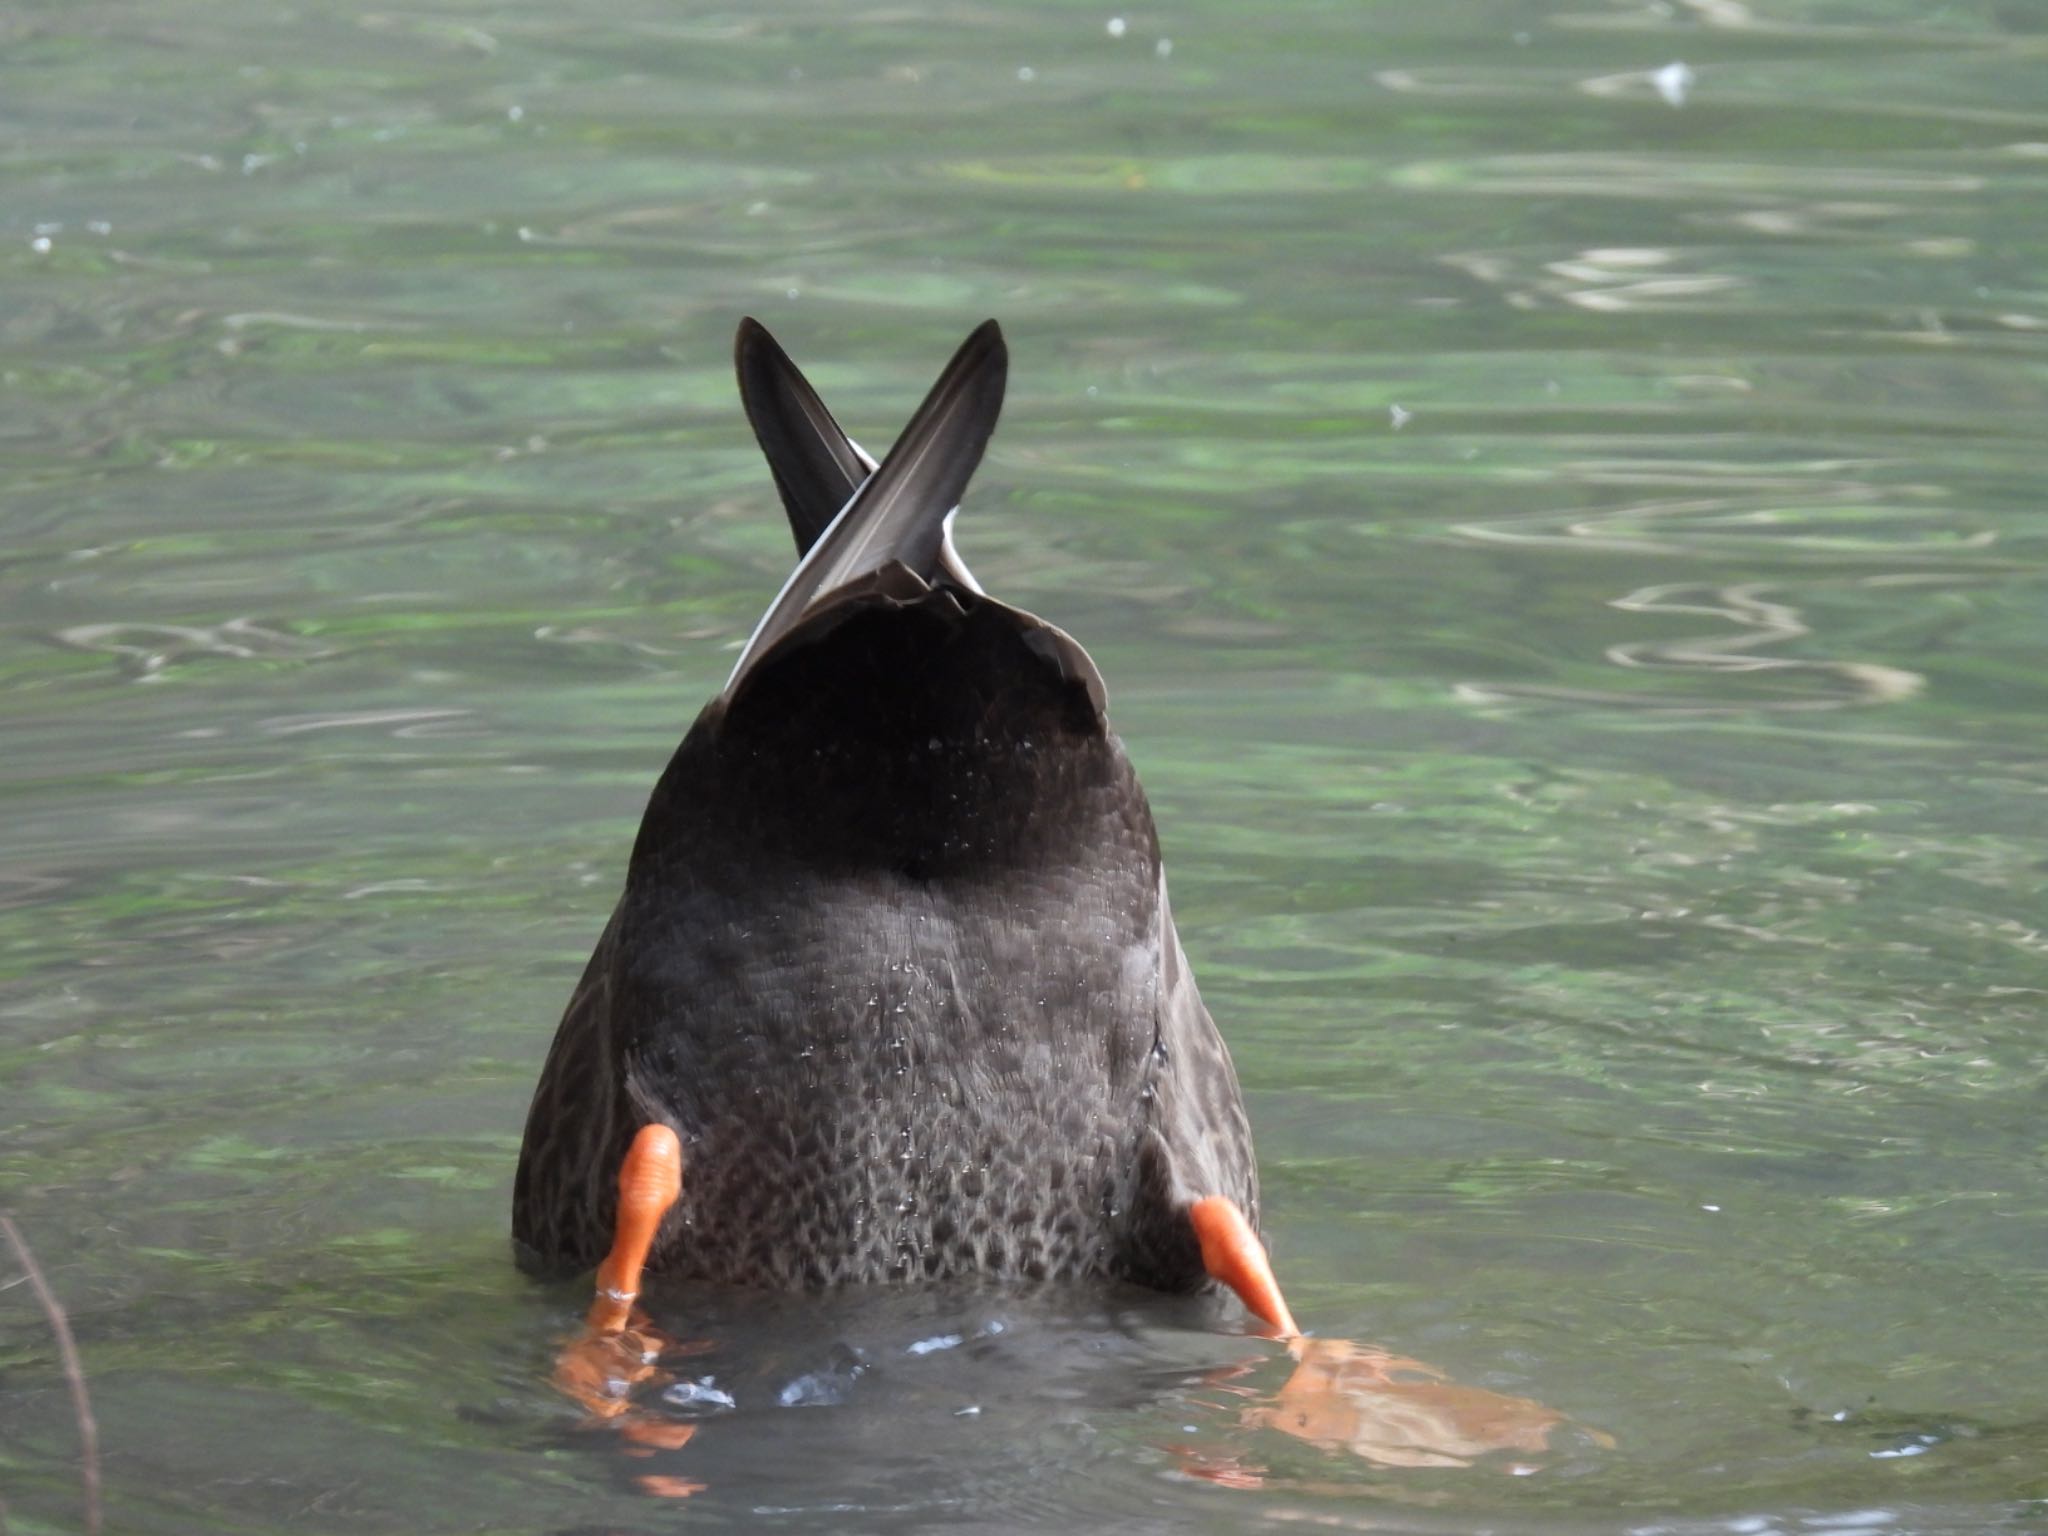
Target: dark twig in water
74, 1373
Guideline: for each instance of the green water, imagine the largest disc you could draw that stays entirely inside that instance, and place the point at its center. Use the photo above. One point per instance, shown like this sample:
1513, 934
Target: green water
1605, 810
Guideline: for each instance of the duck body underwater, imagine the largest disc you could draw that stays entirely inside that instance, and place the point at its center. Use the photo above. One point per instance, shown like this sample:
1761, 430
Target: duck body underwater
893, 992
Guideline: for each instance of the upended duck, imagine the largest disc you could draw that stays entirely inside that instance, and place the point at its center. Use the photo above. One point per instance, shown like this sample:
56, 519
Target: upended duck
893, 992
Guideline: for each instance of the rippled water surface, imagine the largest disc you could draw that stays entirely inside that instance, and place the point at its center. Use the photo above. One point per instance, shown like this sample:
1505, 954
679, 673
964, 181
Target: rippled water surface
1556, 489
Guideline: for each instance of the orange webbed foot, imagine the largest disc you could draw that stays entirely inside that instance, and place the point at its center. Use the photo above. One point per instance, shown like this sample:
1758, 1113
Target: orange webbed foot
600, 1371
1397, 1412
616, 1350
1385, 1409
1381, 1407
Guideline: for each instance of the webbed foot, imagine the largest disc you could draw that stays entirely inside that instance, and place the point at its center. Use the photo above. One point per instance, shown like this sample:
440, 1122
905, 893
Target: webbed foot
616, 1349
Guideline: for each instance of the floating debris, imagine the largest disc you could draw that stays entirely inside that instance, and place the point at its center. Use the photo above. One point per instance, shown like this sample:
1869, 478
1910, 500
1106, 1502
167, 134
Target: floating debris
1117, 28
1400, 416
829, 1386
700, 1395
1674, 82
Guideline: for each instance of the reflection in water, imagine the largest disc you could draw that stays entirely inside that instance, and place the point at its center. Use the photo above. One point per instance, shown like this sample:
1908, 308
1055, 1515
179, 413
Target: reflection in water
1340, 1398
1633, 279
1740, 516
1765, 623
1700, 183
1759, 622
1391, 1411
145, 650
1814, 512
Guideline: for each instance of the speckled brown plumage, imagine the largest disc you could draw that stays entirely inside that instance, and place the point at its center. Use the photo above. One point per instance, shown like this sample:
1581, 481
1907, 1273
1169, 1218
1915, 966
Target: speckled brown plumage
894, 957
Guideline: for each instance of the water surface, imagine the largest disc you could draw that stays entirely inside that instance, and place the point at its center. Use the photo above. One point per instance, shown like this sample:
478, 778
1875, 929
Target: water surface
1564, 537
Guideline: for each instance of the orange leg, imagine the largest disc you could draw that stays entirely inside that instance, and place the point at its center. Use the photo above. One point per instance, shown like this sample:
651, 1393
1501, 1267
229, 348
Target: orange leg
609, 1356
650, 1181
1233, 1254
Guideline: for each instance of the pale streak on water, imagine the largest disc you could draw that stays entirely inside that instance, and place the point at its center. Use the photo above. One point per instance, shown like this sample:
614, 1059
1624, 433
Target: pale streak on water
1566, 552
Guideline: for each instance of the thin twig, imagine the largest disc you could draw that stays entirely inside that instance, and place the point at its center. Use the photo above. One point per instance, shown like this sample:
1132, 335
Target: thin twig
74, 1373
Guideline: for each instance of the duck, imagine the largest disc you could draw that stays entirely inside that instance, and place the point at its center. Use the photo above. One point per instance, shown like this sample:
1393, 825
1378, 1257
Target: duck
893, 992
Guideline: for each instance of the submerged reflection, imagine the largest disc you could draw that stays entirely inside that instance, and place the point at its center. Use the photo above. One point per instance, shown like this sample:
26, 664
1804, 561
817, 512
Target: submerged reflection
1341, 1398
1388, 1410
1397, 1412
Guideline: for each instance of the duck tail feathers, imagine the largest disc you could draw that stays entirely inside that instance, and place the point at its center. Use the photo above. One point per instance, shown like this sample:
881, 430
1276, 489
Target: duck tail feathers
893, 530
817, 467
